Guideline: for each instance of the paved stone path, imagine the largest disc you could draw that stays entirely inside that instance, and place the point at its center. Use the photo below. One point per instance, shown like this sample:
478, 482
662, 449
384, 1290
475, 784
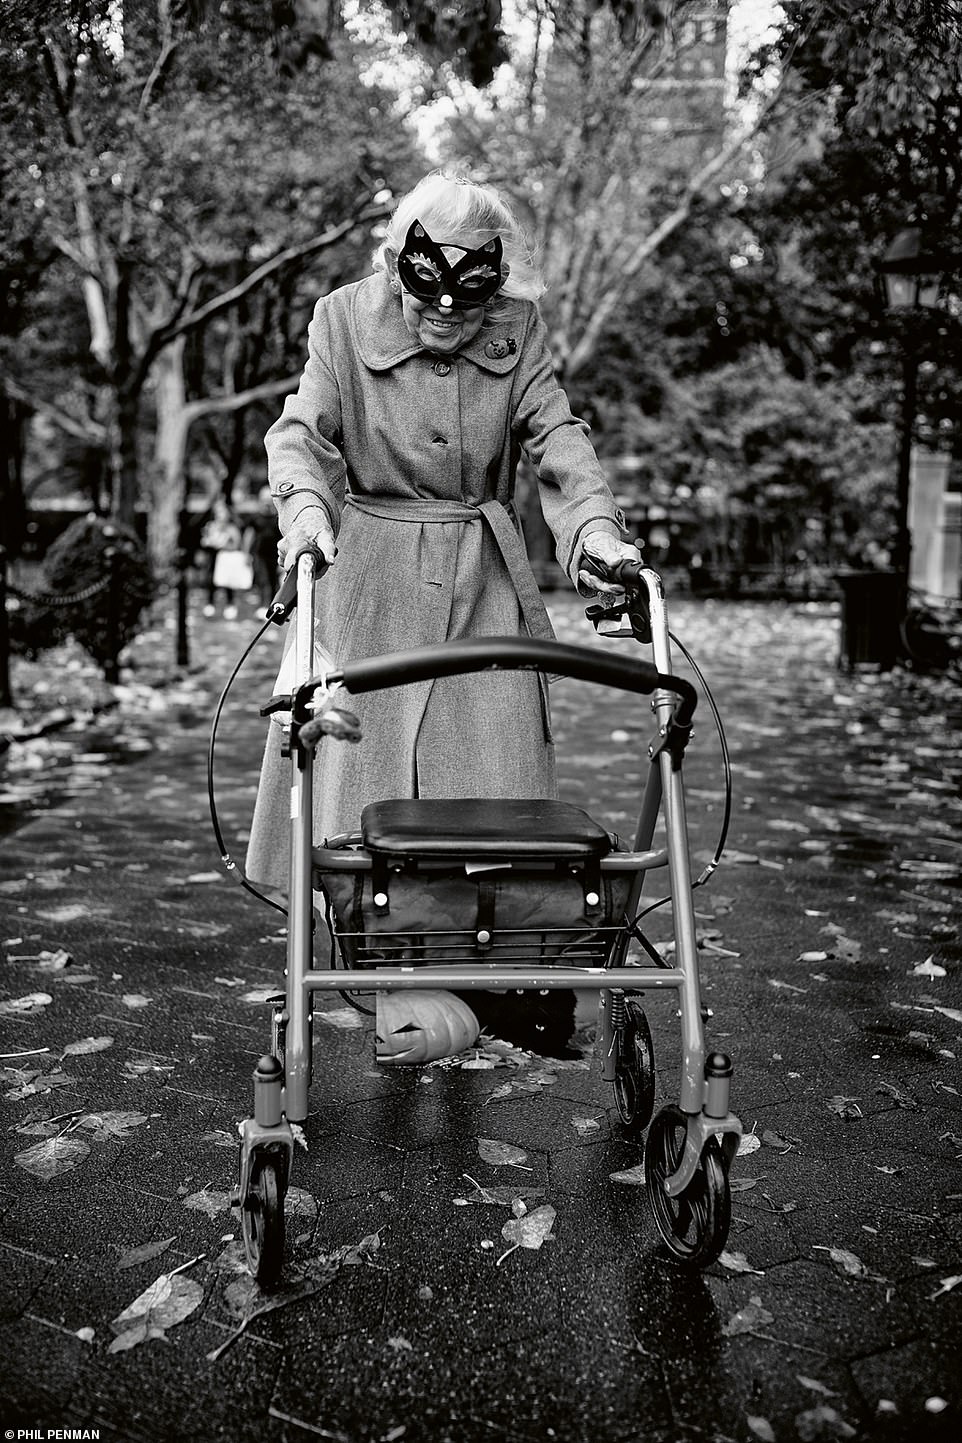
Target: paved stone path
831, 962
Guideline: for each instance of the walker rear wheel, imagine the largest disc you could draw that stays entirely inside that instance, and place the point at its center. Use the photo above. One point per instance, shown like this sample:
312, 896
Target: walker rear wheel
262, 1219
694, 1225
635, 1070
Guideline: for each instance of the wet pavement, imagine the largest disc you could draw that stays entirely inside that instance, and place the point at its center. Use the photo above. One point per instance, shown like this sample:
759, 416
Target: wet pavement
132, 994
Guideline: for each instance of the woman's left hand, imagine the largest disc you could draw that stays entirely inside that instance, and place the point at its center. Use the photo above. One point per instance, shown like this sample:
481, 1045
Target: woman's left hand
601, 546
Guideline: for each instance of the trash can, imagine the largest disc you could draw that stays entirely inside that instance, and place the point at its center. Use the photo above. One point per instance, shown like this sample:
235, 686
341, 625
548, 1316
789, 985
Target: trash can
871, 612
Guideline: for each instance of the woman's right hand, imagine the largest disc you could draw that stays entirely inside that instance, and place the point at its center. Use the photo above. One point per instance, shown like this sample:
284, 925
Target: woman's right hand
310, 528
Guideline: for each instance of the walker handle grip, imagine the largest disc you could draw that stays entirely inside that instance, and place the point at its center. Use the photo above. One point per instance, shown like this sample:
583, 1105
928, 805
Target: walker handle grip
515, 653
286, 599
624, 572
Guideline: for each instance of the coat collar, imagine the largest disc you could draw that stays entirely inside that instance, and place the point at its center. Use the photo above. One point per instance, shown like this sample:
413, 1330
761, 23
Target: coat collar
384, 341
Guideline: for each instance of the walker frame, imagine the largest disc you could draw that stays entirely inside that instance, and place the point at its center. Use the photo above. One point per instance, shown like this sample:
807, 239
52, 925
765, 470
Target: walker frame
689, 1146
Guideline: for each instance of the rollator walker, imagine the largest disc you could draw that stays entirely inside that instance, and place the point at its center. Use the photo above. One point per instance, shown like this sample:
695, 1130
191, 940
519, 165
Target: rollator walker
535, 895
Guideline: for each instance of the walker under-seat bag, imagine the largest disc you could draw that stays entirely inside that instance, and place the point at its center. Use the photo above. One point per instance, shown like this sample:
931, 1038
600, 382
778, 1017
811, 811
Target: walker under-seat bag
449, 881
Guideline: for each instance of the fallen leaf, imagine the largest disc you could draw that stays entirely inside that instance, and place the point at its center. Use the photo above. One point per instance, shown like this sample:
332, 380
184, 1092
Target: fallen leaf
135, 1000
87, 1044
946, 1286
928, 968
814, 1386
778, 1141
53, 961
86, 1335
845, 1260
501, 1154
748, 1319
39, 1082
952, 1013
888, 1089
54, 1156
743, 1184
822, 1422
748, 1143
500, 1196
260, 994
169, 1300
844, 1106
208, 1201
135, 1256
220, 1138
136, 1067
347, 1018
529, 1231
785, 1207
924, 867
111, 1126
23, 1006
812, 957
585, 1126
248, 1302
634, 1176
365, 1251
400, 1345
738, 1263
298, 1202
760, 1427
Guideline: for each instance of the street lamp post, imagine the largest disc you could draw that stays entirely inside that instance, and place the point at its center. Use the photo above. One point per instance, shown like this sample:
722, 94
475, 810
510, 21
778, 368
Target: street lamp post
911, 277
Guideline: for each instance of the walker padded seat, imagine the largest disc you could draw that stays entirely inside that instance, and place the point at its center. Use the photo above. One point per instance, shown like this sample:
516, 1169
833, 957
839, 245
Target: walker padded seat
482, 827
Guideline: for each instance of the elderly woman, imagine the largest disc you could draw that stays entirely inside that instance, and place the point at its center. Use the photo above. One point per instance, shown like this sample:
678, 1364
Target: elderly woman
424, 384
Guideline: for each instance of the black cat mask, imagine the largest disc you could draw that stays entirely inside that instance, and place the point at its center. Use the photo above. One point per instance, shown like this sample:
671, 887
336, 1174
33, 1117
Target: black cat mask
427, 274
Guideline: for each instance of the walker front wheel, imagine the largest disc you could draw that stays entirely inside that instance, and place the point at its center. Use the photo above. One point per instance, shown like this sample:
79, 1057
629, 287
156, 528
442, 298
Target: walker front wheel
262, 1219
694, 1226
634, 1070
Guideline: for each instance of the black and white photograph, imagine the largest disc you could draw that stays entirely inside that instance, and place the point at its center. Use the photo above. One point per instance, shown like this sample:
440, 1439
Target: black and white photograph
481, 721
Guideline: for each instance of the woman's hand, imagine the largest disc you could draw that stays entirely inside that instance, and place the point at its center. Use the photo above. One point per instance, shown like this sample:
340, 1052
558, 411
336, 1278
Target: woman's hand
601, 546
311, 528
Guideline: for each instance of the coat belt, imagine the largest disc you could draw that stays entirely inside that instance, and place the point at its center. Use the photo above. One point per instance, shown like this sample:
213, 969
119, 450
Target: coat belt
496, 517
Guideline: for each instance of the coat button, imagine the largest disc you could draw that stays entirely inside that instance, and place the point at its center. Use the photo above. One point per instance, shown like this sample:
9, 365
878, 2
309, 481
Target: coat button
441, 368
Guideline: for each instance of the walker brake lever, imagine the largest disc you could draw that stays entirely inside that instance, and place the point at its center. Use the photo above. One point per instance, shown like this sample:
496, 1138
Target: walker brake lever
280, 701
634, 606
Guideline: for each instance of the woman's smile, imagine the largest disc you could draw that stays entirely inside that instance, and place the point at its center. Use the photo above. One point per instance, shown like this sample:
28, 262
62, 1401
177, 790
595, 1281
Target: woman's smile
441, 330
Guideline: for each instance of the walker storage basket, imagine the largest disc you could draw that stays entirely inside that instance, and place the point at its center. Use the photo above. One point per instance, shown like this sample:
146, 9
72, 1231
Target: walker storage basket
474, 881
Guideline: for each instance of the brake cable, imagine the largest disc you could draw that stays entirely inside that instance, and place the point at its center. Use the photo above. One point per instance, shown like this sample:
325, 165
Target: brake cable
236, 872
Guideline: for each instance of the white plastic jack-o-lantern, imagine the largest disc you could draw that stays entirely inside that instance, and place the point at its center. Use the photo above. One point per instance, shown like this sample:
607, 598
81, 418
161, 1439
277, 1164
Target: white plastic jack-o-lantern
415, 1027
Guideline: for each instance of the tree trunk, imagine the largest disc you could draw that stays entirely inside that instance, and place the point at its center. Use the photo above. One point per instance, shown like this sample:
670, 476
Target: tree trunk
167, 481
125, 471
12, 506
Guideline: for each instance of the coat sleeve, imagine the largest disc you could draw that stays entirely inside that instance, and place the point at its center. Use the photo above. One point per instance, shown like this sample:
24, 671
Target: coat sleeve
574, 494
305, 466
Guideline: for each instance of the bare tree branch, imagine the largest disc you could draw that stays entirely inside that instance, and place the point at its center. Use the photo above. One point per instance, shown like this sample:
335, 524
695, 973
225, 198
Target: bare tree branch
649, 244
83, 428
224, 405
222, 302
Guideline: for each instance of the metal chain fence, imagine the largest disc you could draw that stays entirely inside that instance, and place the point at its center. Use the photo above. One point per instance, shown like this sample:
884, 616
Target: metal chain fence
44, 598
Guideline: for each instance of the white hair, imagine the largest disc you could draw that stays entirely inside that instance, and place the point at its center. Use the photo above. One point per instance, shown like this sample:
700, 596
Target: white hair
457, 211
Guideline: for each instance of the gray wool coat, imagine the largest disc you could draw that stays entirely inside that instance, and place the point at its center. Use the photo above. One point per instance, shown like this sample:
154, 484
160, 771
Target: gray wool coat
412, 458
